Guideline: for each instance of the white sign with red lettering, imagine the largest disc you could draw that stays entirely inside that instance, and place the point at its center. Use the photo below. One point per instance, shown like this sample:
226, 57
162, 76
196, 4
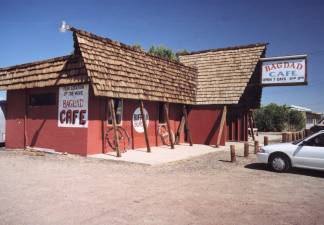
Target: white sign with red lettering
137, 120
73, 106
284, 71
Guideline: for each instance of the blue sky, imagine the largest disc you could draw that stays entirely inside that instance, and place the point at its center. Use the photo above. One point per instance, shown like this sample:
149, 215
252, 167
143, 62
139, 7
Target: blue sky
29, 31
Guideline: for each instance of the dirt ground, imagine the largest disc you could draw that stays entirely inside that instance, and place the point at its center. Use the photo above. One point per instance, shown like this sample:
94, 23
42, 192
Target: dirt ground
65, 189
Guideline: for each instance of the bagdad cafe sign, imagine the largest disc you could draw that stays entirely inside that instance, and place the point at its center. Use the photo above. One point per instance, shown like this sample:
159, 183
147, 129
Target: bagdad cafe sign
284, 71
138, 121
73, 106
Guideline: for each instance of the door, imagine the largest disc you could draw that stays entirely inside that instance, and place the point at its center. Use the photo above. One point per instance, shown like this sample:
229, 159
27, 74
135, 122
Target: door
311, 153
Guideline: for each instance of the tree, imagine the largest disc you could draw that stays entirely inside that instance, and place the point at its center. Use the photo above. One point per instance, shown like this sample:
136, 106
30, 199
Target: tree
296, 120
163, 52
137, 47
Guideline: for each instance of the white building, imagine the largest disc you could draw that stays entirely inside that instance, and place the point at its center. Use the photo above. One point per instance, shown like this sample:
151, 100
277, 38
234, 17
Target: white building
312, 118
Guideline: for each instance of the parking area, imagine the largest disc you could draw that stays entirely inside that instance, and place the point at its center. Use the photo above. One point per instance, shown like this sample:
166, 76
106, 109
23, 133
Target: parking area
66, 189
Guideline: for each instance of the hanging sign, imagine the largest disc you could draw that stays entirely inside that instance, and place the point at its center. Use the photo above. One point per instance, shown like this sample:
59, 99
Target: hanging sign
137, 120
73, 106
284, 71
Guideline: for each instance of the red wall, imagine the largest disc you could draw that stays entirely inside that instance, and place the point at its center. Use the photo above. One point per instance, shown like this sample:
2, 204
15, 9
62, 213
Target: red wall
237, 124
204, 124
138, 139
43, 131
15, 119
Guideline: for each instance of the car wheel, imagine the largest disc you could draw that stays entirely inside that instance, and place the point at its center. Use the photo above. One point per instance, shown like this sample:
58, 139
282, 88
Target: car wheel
279, 163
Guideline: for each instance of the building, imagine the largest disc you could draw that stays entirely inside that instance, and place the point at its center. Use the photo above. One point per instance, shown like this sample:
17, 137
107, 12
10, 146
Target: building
312, 118
92, 101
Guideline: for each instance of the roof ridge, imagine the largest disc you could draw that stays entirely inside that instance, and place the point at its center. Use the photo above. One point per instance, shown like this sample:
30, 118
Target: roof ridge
226, 48
129, 47
36, 62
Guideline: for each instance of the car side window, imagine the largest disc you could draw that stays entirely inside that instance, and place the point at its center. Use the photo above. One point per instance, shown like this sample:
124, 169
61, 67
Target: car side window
317, 141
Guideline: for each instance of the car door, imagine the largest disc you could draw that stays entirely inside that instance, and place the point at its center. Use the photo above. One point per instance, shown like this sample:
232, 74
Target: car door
310, 153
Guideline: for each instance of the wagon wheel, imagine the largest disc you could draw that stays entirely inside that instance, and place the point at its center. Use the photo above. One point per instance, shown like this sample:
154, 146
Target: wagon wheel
123, 139
164, 135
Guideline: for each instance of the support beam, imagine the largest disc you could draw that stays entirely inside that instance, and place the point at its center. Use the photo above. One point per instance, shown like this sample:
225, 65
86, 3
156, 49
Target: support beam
166, 113
180, 128
251, 125
185, 114
221, 128
144, 126
113, 116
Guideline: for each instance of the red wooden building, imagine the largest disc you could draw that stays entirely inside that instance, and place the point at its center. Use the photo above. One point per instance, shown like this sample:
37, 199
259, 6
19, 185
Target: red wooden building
71, 103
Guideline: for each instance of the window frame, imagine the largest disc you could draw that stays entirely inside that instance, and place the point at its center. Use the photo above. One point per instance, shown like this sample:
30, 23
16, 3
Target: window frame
52, 101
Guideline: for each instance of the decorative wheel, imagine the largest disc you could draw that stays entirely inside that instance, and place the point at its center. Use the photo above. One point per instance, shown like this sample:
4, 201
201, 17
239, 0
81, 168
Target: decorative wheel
123, 139
164, 134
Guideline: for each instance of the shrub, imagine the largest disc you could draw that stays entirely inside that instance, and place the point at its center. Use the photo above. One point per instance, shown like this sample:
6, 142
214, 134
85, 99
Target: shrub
277, 118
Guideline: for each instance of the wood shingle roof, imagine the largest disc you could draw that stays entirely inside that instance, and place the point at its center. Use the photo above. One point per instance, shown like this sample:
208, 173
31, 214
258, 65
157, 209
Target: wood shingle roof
223, 74
217, 76
117, 70
56, 71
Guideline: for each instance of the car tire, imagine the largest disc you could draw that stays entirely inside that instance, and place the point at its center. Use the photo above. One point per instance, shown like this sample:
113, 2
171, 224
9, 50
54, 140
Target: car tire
279, 163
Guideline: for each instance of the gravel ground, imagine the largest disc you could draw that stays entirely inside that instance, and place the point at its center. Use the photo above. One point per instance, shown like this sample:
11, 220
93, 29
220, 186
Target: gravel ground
65, 189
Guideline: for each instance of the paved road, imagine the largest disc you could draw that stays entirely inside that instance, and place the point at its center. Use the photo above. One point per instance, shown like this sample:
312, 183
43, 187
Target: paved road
54, 189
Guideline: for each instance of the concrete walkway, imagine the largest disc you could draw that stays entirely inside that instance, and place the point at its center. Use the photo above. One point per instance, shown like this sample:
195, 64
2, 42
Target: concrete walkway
161, 154
164, 154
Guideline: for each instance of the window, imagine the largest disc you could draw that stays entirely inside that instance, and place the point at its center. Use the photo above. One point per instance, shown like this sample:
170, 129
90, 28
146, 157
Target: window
118, 107
317, 141
162, 118
42, 99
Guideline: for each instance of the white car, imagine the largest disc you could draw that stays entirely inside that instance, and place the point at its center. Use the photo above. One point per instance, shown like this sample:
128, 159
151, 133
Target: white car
307, 153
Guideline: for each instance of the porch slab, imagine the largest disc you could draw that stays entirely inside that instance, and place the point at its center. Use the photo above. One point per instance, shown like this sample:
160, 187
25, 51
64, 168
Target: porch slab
160, 155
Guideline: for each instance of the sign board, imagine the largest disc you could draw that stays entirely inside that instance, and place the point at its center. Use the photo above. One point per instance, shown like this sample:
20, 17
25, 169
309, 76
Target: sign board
137, 120
284, 71
73, 106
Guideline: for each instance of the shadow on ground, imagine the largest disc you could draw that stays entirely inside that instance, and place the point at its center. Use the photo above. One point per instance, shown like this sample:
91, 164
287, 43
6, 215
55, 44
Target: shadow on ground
304, 172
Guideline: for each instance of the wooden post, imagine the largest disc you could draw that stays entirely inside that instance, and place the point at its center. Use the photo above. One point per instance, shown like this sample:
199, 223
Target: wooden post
246, 149
256, 147
221, 128
113, 116
166, 113
251, 125
283, 137
266, 140
148, 147
293, 136
233, 157
307, 132
180, 128
185, 114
